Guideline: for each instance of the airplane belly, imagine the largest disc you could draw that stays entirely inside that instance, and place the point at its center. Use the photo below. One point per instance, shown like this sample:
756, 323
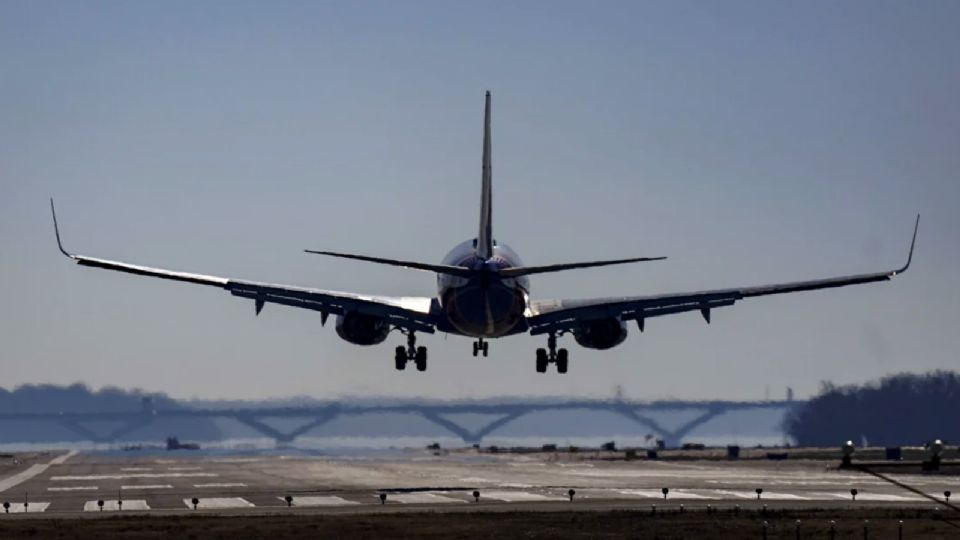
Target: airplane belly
478, 311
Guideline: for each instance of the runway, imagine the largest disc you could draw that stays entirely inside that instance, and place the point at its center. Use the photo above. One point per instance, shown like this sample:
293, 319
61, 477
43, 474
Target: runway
168, 482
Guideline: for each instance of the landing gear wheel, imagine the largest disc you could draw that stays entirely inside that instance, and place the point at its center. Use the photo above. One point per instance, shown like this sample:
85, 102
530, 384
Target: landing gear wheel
481, 346
400, 357
562, 359
421, 359
542, 361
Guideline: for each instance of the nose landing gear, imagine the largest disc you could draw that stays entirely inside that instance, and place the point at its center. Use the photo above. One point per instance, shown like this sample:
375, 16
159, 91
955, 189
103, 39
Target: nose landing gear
552, 355
418, 355
481, 346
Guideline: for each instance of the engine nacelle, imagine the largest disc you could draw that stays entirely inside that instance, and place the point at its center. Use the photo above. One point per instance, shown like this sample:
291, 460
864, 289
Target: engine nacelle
601, 333
361, 329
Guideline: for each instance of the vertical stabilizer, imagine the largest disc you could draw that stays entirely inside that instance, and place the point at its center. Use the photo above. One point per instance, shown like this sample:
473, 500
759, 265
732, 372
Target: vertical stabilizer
485, 237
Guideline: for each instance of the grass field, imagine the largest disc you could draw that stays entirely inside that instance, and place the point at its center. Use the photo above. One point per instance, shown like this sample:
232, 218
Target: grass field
848, 524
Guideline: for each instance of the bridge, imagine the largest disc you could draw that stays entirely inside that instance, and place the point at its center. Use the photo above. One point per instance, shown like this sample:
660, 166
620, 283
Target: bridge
440, 414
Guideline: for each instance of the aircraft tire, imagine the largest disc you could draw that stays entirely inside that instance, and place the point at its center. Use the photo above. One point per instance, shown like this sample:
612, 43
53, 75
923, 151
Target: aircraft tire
400, 358
563, 358
542, 361
421, 359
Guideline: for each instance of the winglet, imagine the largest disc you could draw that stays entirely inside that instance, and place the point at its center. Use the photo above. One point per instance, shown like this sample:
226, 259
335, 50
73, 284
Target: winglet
913, 242
56, 229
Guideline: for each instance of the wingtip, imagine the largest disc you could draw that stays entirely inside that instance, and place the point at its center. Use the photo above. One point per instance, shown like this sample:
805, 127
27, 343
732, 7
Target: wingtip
56, 229
913, 243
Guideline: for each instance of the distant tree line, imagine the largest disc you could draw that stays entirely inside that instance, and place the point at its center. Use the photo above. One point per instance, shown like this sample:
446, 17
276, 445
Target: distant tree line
899, 409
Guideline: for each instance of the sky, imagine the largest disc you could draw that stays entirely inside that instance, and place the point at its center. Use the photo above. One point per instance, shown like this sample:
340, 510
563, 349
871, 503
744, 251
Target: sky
750, 142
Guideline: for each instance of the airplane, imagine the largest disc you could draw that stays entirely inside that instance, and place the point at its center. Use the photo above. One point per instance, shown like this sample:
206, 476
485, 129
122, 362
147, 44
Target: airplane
483, 292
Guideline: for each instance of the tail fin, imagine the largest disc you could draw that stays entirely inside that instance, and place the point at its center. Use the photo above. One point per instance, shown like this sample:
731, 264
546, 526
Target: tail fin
485, 236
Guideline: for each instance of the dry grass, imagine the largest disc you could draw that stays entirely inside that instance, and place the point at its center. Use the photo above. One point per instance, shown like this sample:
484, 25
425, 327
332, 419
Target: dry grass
883, 523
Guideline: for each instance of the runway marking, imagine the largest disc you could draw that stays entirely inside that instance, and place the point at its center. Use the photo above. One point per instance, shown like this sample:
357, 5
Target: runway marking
874, 497
63, 459
184, 468
73, 488
33, 470
221, 485
112, 506
517, 496
330, 500
657, 494
765, 496
420, 498
34, 507
147, 486
137, 469
220, 502
132, 475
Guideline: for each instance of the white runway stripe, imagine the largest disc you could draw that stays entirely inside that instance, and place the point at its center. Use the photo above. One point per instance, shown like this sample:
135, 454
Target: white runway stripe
221, 485
132, 475
147, 486
773, 496
112, 506
34, 507
219, 502
329, 500
73, 488
420, 498
184, 468
33, 470
63, 459
657, 494
137, 469
517, 496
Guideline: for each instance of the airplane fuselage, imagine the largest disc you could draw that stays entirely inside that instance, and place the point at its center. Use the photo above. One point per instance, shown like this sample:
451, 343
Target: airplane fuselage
485, 305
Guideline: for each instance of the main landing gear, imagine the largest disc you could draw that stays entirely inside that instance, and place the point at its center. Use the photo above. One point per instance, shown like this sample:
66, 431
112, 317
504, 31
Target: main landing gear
411, 352
480, 346
557, 356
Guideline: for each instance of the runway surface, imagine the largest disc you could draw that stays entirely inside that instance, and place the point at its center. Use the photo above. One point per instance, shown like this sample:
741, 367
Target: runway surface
168, 482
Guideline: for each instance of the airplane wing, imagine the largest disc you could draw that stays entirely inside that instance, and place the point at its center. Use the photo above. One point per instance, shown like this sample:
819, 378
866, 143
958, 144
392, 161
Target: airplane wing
412, 313
563, 315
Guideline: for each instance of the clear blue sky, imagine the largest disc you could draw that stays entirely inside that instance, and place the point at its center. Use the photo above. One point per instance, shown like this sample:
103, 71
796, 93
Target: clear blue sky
751, 142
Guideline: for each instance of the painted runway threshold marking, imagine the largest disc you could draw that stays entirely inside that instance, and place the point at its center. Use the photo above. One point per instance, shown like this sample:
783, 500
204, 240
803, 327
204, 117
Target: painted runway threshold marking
517, 496
73, 488
421, 498
220, 502
330, 500
147, 486
33, 507
657, 494
113, 506
221, 485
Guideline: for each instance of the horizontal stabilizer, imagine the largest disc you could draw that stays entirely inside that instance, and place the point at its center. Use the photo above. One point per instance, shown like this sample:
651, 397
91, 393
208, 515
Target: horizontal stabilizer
438, 268
518, 271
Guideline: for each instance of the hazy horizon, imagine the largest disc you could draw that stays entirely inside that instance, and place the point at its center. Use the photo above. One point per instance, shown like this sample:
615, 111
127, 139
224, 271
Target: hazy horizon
750, 142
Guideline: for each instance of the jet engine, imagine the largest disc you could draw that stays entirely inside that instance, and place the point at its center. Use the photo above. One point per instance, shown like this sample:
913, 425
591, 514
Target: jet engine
600, 333
361, 329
